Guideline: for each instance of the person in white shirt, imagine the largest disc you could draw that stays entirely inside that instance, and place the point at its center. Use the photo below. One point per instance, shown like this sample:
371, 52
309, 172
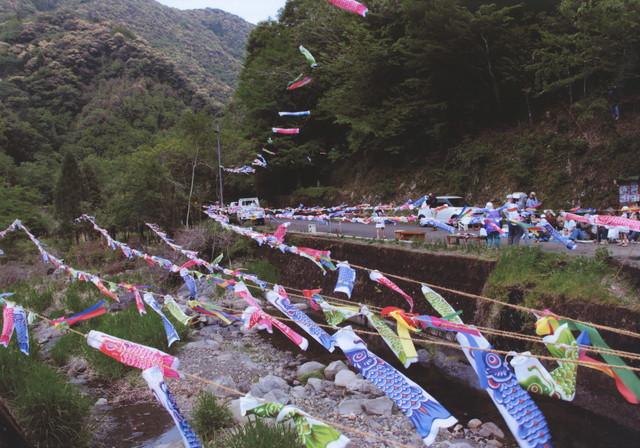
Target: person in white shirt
379, 220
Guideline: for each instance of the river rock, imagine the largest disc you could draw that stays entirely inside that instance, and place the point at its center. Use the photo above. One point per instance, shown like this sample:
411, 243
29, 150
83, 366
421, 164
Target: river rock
491, 429
77, 365
298, 392
333, 368
316, 384
344, 378
268, 384
277, 396
226, 381
237, 358
350, 406
363, 387
474, 423
310, 369
378, 406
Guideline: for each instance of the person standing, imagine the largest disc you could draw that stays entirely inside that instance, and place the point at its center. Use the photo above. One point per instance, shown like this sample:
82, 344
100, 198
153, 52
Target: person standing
512, 213
380, 225
492, 226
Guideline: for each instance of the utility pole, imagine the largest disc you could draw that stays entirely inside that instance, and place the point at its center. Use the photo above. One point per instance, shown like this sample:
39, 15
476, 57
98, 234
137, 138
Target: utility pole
220, 166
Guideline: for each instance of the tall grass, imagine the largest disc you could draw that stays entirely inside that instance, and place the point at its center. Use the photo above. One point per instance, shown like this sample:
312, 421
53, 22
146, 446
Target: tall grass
35, 298
52, 412
258, 434
209, 416
541, 274
264, 270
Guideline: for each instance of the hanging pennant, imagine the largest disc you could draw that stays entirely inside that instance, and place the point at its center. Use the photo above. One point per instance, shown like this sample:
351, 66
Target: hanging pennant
377, 277
313, 433
169, 329
283, 131
425, 412
21, 328
279, 299
534, 377
96, 310
627, 381
300, 82
403, 349
305, 113
519, 411
132, 354
255, 317
8, 324
208, 309
346, 279
308, 56
155, 381
177, 313
334, 315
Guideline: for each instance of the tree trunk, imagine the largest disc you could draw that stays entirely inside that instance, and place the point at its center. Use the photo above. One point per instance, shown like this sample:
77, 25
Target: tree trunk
193, 177
494, 81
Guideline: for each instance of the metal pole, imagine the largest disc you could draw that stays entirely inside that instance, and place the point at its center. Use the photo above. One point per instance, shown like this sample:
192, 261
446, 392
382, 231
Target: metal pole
220, 167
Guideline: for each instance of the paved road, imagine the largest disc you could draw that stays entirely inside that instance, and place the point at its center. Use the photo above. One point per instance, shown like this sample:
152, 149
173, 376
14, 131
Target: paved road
629, 255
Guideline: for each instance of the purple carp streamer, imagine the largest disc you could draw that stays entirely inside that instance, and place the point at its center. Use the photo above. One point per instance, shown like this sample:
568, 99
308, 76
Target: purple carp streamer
155, 381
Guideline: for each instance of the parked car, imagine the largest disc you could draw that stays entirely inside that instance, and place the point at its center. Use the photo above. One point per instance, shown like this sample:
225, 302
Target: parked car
248, 209
446, 209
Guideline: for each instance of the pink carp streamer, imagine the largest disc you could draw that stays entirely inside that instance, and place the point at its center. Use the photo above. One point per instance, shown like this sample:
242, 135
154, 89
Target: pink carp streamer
377, 277
301, 83
134, 355
283, 131
351, 6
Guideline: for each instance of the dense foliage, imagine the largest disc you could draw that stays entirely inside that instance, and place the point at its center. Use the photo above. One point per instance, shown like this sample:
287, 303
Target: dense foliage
416, 79
96, 121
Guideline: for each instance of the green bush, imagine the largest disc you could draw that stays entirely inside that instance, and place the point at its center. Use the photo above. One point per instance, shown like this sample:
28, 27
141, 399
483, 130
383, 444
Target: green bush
52, 411
258, 434
209, 416
36, 299
68, 345
264, 270
79, 296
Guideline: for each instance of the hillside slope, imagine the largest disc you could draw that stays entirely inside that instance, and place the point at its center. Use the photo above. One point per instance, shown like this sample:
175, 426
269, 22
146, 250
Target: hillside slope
207, 44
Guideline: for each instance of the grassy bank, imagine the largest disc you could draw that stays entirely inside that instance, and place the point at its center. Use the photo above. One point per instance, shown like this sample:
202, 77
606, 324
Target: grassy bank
541, 274
52, 411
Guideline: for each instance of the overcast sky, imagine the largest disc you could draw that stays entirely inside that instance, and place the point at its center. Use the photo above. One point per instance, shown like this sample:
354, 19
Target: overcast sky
251, 10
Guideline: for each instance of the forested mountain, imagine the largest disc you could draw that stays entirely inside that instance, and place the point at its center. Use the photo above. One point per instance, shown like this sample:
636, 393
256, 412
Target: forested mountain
207, 44
94, 118
459, 96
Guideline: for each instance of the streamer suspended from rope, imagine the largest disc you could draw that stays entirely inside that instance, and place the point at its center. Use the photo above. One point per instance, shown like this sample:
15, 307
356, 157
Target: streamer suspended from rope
351, 6
308, 56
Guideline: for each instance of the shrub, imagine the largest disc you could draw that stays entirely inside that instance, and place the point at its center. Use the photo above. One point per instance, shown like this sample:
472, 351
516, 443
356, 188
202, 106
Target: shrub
264, 270
33, 298
79, 296
52, 411
258, 434
68, 345
209, 416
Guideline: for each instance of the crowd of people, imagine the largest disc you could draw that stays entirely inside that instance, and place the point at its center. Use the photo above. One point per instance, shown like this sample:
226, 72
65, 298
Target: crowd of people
522, 215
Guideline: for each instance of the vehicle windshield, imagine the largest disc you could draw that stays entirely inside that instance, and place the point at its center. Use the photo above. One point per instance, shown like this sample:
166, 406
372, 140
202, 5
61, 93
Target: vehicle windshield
455, 202
249, 203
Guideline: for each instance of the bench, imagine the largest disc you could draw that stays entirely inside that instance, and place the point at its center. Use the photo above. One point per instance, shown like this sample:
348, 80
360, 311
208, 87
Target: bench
410, 235
453, 240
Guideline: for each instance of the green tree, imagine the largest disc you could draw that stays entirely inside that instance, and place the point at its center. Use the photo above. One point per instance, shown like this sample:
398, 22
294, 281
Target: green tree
70, 191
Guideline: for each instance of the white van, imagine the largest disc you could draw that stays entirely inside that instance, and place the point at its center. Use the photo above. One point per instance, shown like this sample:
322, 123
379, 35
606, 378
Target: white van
248, 209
